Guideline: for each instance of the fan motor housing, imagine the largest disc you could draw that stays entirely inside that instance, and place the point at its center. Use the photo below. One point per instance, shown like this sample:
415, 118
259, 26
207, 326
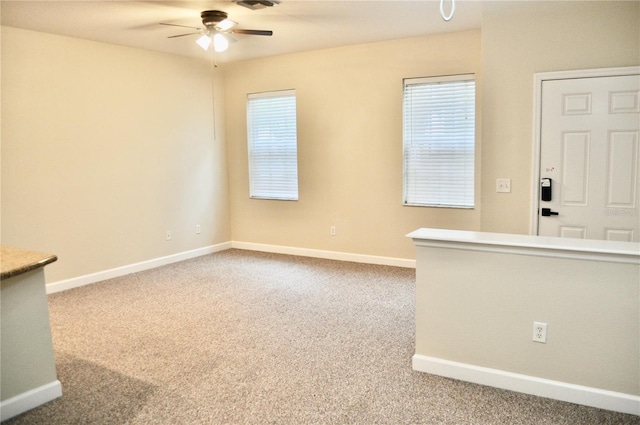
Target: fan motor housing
212, 17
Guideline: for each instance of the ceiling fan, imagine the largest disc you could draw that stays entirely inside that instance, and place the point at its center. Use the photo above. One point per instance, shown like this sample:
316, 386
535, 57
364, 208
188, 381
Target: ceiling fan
217, 29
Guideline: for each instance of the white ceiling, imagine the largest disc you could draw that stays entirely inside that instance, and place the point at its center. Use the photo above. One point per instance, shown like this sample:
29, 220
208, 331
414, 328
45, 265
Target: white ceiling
298, 25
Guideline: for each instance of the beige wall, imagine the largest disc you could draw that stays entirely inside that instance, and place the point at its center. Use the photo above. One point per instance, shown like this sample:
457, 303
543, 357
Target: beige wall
104, 148
478, 308
518, 40
349, 112
349, 103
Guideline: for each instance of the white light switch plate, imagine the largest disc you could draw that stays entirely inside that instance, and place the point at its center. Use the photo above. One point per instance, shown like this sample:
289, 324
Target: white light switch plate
503, 185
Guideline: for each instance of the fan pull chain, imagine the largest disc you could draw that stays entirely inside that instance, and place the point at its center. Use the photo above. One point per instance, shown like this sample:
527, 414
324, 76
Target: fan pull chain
214, 65
453, 9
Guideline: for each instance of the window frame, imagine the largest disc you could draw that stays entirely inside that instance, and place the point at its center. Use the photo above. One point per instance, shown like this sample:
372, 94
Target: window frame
467, 198
271, 193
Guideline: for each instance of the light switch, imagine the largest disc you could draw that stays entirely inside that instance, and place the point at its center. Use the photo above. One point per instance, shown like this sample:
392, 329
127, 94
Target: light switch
503, 185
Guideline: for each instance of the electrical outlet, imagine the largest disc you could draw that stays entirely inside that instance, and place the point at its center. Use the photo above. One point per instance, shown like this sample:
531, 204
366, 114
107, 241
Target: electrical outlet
168, 235
540, 332
198, 230
332, 230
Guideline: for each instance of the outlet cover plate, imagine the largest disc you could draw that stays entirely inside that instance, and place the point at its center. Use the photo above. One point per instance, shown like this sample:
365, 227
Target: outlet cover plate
540, 332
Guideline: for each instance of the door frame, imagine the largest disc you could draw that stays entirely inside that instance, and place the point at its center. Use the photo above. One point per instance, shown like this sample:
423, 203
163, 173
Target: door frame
538, 79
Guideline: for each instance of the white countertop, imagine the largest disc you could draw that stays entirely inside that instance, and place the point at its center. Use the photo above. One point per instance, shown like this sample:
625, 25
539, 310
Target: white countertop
526, 243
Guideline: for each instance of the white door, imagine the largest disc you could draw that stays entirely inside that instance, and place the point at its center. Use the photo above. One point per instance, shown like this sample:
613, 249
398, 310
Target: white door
589, 151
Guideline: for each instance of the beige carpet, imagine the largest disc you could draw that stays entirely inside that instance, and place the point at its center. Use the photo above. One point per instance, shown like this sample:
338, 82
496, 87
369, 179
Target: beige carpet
250, 338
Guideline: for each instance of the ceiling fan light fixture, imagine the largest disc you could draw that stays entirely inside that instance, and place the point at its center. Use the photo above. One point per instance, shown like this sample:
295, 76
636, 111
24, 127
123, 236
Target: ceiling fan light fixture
220, 43
225, 24
216, 30
204, 41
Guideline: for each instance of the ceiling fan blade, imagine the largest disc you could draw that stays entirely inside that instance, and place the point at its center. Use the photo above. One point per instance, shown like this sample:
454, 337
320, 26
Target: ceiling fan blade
181, 26
182, 35
252, 32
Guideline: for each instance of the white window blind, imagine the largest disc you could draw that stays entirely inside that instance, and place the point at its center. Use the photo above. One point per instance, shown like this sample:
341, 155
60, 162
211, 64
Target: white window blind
439, 141
273, 145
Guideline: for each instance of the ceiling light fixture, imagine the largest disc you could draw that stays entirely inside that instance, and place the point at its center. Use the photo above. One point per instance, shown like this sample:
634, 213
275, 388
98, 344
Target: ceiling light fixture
225, 24
220, 43
217, 30
453, 9
204, 41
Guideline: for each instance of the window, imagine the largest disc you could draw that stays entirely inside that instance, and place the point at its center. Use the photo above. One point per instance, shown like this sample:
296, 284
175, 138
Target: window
439, 141
273, 145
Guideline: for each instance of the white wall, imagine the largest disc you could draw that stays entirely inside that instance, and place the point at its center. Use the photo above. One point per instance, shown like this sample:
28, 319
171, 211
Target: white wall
104, 148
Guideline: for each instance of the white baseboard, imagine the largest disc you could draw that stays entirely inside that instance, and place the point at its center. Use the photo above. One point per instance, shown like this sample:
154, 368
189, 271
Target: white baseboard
75, 282
30, 399
588, 396
328, 255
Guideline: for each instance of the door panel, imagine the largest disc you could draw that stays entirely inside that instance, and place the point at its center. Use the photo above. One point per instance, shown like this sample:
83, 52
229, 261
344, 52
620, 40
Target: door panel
575, 168
623, 169
572, 232
590, 149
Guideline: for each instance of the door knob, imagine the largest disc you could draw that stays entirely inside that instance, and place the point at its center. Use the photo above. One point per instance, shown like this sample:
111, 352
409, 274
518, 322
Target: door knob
546, 212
